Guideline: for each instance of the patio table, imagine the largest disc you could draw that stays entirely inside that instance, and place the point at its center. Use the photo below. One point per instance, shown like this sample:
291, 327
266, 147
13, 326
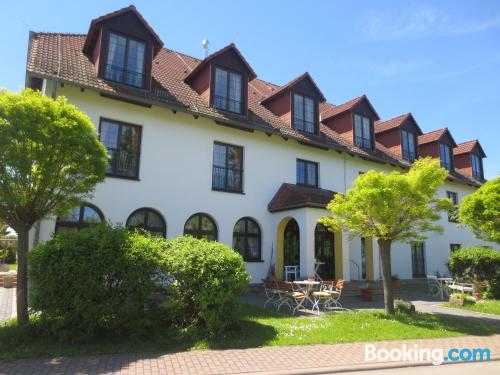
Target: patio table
307, 287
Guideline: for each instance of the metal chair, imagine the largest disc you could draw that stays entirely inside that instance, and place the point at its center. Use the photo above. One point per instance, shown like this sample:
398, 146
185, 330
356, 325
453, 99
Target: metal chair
271, 291
292, 270
290, 296
324, 295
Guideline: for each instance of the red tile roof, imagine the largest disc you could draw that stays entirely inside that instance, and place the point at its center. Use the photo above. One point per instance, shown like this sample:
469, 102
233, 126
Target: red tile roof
383, 126
468, 147
59, 55
130, 8
292, 83
170, 68
347, 106
209, 58
290, 196
435, 136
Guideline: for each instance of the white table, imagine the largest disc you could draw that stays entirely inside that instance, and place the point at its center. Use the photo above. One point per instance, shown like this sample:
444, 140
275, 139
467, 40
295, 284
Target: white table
307, 287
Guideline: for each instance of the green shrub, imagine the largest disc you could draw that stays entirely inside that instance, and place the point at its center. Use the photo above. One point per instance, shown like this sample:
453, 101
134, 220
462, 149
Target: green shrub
404, 307
95, 280
493, 288
10, 257
209, 276
483, 262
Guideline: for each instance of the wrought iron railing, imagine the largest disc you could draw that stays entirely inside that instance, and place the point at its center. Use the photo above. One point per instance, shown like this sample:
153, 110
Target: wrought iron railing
227, 104
226, 178
363, 142
408, 155
119, 74
304, 125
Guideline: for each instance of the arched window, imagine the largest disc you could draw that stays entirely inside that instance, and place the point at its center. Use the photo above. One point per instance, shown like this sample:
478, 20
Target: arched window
246, 239
147, 219
292, 244
201, 226
79, 217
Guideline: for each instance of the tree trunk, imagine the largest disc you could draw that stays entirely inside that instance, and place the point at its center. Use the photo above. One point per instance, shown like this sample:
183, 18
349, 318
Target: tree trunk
22, 275
385, 256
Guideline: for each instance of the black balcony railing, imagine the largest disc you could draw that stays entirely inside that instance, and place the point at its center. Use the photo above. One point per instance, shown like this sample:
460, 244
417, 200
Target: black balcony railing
446, 165
408, 155
227, 179
227, 104
304, 125
128, 77
363, 142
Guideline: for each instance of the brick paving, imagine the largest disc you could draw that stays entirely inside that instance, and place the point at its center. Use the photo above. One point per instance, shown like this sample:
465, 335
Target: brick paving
269, 360
7, 303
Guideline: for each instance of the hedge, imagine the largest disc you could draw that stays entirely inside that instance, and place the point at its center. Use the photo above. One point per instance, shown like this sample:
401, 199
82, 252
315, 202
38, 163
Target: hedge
483, 262
95, 280
108, 280
209, 277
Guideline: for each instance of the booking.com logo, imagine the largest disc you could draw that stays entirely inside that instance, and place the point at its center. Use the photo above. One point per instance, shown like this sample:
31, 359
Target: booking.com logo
416, 354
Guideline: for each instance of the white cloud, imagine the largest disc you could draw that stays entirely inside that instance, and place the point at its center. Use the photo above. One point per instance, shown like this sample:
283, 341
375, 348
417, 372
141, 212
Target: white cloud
394, 67
415, 22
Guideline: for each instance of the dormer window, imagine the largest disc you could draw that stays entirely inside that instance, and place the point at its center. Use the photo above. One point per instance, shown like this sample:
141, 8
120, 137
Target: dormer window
228, 92
408, 145
477, 167
362, 132
445, 156
303, 114
125, 60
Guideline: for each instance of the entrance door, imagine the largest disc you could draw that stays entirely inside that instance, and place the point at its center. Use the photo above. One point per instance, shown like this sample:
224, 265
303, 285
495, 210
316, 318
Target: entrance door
418, 259
292, 244
324, 252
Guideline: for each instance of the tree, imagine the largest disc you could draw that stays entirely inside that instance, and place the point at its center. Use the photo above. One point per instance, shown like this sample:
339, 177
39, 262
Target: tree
481, 211
391, 207
51, 159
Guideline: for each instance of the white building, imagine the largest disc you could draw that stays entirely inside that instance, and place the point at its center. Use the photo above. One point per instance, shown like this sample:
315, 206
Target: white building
206, 148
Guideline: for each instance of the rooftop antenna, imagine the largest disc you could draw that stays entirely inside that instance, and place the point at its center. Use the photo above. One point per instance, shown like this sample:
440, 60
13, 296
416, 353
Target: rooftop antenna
205, 44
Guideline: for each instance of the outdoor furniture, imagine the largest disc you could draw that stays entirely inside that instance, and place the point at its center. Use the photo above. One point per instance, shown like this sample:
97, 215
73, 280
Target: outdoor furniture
306, 287
438, 286
461, 287
324, 295
334, 301
271, 291
292, 270
290, 295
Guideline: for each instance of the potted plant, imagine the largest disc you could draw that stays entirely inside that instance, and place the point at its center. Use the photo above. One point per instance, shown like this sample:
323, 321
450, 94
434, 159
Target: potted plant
367, 292
479, 288
461, 299
396, 282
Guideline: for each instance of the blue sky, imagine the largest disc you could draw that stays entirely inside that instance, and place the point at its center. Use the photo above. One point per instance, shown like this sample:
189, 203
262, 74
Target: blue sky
440, 60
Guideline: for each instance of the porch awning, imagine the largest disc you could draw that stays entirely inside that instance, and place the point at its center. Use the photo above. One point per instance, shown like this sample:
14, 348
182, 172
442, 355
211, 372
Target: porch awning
290, 196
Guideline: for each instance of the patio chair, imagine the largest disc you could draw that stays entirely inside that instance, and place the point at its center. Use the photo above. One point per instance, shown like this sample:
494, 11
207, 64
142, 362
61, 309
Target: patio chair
324, 295
271, 291
290, 296
433, 285
334, 301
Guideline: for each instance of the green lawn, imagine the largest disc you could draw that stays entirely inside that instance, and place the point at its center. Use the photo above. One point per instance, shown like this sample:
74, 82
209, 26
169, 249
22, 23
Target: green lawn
13, 267
484, 306
258, 328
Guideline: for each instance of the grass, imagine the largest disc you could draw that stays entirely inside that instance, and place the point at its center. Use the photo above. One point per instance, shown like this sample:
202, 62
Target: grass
13, 267
257, 328
484, 306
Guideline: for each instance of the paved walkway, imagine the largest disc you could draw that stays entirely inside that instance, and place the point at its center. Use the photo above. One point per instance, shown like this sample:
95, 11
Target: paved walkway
309, 359
7, 303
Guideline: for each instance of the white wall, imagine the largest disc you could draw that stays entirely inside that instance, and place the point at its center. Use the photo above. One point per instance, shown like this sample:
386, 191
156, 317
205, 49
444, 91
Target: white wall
176, 178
